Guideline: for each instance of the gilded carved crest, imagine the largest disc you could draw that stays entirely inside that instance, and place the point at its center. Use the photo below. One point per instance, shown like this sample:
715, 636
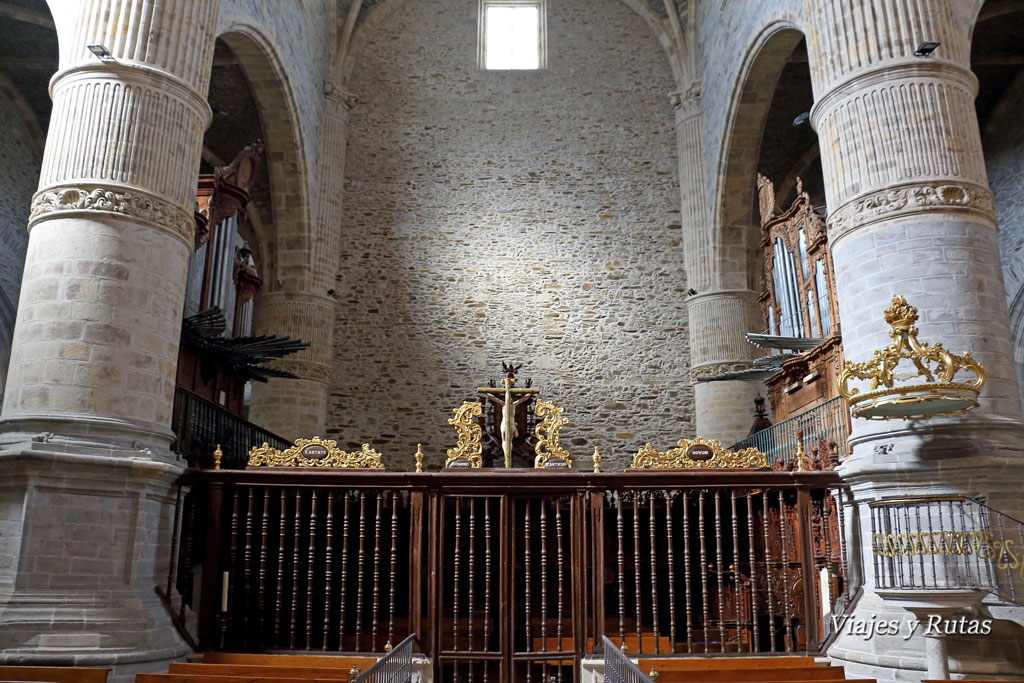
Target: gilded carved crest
468, 449
315, 452
698, 454
549, 449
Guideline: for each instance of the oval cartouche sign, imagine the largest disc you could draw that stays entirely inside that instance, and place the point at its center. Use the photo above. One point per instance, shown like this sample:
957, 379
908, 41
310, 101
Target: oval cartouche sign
699, 452
314, 451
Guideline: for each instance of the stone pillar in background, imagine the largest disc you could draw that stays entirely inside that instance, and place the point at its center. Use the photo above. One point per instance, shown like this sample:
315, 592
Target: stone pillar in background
911, 214
721, 311
297, 408
84, 434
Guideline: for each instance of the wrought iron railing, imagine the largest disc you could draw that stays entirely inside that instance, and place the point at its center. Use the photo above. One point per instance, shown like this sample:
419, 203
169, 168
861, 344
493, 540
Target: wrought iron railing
618, 668
394, 667
824, 426
944, 543
201, 425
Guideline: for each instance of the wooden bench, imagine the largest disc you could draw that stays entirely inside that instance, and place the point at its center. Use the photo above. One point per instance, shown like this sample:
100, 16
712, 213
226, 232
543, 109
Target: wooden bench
54, 674
304, 672
237, 667
705, 663
199, 678
305, 661
812, 673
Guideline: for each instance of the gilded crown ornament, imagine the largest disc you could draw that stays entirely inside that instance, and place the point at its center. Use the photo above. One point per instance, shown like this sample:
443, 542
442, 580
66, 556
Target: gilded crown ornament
895, 395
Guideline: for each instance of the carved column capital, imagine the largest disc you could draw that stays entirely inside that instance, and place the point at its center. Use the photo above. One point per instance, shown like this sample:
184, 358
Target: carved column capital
338, 96
687, 102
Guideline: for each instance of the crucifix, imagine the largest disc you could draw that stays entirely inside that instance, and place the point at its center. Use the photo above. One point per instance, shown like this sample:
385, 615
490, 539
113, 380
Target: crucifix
508, 406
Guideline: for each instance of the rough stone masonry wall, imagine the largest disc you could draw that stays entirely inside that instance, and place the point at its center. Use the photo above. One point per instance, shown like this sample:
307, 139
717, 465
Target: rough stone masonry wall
1004, 161
19, 174
526, 216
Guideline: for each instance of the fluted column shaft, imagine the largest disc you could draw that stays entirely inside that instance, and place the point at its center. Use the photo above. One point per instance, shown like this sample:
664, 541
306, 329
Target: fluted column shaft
84, 434
298, 407
719, 315
910, 208
911, 213
111, 226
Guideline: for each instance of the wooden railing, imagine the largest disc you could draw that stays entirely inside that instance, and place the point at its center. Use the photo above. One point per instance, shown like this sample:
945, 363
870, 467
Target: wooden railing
510, 575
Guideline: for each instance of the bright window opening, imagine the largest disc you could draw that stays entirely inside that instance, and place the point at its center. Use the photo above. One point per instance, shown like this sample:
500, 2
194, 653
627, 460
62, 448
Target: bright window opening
512, 34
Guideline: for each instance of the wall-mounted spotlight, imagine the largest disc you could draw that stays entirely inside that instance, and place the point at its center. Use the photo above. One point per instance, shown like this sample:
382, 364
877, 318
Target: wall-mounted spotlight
219, 111
802, 119
101, 52
926, 48
691, 291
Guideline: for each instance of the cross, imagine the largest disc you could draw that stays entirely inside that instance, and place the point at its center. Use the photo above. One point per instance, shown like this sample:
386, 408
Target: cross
508, 407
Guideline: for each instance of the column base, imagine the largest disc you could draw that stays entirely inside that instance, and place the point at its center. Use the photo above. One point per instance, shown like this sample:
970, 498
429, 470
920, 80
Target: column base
85, 534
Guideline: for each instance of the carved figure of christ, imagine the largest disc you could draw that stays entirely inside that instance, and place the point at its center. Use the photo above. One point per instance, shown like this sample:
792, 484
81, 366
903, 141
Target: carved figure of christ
508, 411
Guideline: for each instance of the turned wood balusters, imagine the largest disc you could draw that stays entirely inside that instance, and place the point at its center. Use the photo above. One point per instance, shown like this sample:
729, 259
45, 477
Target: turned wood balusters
513, 577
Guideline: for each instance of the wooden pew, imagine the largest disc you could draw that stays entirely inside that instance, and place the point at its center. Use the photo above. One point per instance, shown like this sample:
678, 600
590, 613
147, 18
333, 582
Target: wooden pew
54, 674
813, 673
307, 661
190, 678
257, 670
705, 663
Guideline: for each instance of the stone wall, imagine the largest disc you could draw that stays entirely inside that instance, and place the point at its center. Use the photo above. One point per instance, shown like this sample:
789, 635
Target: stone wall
1004, 161
526, 216
19, 174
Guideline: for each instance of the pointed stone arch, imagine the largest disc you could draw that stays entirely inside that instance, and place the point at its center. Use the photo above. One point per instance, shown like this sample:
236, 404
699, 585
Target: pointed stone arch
287, 241
736, 225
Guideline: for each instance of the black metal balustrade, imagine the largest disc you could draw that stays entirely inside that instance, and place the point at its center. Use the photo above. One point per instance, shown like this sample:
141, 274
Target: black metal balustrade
826, 425
394, 667
201, 425
939, 543
617, 666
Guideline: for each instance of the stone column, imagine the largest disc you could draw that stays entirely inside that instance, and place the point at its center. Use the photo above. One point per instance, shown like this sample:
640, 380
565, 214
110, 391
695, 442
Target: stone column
723, 309
911, 214
298, 408
84, 433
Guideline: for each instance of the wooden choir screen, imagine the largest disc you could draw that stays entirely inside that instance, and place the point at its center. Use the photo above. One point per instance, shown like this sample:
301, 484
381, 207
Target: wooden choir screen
510, 577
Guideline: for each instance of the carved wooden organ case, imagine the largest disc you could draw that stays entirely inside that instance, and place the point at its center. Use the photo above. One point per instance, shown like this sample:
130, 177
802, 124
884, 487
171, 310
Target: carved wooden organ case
798, 303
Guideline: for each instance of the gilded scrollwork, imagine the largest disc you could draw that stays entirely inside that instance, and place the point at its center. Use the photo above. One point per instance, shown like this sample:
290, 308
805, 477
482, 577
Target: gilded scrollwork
698, 454
469, 447
315, 452
937, 366
548, 447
